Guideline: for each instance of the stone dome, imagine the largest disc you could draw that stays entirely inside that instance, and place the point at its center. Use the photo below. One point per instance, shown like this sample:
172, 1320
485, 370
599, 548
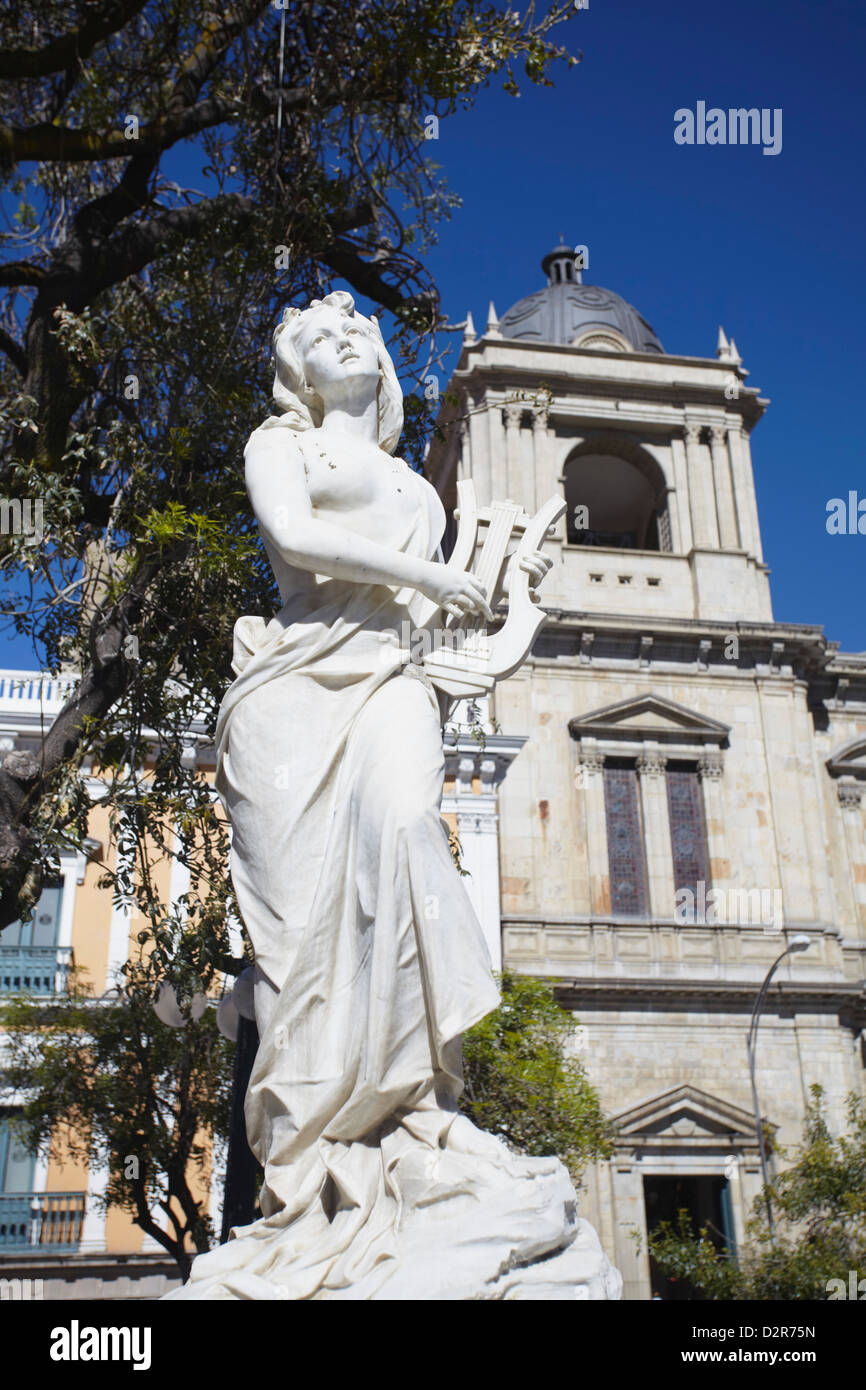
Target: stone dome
567, 311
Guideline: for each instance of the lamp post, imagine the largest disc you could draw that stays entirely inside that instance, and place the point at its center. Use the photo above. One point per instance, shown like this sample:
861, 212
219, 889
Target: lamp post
797, 943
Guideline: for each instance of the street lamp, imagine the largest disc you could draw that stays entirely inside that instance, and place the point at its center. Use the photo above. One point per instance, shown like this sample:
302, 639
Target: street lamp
797, 943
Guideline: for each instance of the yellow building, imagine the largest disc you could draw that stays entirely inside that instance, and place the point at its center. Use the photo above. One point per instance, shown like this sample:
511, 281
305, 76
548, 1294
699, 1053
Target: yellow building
52, 1228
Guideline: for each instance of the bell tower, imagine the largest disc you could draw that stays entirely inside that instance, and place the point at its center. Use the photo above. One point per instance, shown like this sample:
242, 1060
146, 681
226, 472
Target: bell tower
572, 392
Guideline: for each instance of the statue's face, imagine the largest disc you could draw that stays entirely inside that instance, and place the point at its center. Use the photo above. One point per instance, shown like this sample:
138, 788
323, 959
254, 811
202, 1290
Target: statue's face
339, 359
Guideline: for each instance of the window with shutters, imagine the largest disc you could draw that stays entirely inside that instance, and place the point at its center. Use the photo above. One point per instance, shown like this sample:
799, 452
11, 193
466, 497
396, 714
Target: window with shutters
628, 893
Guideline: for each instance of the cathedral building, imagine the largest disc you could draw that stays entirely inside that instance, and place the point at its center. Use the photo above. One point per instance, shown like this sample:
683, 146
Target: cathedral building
686, 778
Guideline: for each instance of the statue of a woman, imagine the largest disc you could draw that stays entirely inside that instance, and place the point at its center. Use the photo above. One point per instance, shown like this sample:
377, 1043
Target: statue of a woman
370, 962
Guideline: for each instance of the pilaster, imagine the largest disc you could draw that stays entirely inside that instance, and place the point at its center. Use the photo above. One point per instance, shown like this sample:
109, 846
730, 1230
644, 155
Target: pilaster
744, 491
514, 484
851, 793
701, 491
728, 534
651, 765
590, 778
711, 775
479, 448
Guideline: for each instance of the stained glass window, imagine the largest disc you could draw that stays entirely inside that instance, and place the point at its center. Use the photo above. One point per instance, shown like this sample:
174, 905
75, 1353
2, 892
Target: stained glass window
688, 832
628, 895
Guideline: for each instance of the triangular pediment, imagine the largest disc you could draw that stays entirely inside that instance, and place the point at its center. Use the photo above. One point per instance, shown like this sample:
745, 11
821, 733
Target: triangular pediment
850, 759
686, 1114
649, 716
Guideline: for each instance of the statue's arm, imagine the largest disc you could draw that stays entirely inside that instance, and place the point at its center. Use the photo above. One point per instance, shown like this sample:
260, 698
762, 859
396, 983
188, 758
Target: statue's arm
278, 492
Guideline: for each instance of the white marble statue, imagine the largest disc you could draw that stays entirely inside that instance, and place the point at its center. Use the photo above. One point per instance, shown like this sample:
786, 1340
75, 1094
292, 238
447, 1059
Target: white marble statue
370, 962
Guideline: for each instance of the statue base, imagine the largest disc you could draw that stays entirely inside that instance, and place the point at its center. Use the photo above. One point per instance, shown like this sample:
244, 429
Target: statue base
516, 1238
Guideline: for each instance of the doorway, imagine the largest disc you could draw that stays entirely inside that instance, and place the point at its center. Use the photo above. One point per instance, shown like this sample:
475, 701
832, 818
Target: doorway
707, 1199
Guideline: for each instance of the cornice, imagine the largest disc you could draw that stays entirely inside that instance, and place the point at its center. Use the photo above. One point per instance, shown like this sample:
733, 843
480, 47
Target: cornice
845, 999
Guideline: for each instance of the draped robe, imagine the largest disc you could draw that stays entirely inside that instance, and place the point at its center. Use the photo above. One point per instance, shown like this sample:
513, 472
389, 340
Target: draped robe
370, 963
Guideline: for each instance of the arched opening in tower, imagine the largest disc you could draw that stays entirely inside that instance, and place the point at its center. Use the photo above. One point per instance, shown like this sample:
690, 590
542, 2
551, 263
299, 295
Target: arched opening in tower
611, 503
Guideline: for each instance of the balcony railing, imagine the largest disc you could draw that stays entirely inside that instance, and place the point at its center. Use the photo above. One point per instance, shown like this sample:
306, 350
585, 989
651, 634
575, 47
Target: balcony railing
34, 969
43, 1220
32, 692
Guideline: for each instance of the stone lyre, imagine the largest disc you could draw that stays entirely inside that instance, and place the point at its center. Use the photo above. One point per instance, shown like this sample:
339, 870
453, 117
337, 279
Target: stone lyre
491, 542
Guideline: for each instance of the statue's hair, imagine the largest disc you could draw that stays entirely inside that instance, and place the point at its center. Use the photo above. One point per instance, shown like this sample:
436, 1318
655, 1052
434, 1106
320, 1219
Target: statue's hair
300, 408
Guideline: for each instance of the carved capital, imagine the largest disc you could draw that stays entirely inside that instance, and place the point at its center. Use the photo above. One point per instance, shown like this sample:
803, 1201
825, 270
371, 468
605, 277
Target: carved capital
539, 419
691, 433
651, 763
718, 436
850, 793
512, 412
711, 764
591, 759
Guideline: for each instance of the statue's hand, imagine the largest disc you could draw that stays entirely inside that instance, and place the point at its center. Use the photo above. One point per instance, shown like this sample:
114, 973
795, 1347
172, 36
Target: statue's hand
536, 564
456, 592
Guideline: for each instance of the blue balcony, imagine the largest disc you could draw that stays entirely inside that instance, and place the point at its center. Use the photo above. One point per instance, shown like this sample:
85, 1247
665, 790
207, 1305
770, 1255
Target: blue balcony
34, 969
41, 1220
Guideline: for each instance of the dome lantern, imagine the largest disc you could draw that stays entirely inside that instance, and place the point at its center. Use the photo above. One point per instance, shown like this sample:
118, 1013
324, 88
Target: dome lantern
569, 312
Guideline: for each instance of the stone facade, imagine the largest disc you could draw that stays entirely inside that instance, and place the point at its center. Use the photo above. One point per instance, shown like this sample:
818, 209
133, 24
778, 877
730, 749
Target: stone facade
661, 653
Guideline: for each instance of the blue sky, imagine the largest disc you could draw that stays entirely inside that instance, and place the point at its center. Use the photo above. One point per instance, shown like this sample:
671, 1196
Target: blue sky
769, 246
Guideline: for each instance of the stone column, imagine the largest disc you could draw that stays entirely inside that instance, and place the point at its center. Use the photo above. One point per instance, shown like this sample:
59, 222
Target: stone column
651, 764
744, 491
710, 772
681, 521
479, 445
590, 777
850, 793
496, 446
541, 485
464, 458
478, 831
92, 1238
630, 1255
514, 481
702, 494
724, 490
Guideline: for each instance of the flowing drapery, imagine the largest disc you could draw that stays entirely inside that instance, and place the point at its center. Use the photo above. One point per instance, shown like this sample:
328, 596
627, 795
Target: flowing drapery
371, 964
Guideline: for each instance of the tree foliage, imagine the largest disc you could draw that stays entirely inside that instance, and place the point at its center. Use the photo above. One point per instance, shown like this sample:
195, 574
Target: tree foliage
819, 1203
106, 1082
174, 175
523, 1082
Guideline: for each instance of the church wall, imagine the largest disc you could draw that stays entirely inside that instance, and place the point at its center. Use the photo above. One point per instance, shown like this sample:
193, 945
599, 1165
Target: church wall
633, 1056
771, 801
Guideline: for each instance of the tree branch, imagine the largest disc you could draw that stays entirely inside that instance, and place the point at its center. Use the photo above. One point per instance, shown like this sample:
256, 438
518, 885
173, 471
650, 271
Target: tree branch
140, 243
183, 116
14, 351
343, 258
60, 53
20, 273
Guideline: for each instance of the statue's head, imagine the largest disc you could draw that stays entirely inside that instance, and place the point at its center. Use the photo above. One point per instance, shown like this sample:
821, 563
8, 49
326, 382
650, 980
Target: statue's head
328, 355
